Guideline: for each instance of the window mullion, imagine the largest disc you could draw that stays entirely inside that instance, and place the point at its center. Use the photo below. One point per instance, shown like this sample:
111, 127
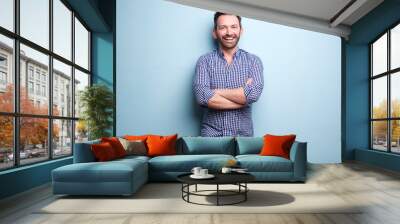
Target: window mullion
371, 98
16, 84
73, 81
50, 81
389, 104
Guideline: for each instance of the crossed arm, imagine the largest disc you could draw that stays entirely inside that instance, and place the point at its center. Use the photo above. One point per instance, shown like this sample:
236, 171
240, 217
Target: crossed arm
228, 98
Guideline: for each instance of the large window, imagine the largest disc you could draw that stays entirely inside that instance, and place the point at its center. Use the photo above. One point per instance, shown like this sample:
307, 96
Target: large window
385, 91
44, 64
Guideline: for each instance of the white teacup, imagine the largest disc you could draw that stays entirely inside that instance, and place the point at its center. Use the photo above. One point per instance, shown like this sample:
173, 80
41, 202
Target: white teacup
226, 170
196, 171
203, 172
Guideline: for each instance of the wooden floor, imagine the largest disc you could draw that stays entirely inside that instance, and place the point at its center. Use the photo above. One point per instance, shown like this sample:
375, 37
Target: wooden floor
377, 188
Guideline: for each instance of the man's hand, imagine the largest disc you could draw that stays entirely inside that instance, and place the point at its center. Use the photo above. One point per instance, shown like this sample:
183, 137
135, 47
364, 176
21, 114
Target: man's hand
249, 81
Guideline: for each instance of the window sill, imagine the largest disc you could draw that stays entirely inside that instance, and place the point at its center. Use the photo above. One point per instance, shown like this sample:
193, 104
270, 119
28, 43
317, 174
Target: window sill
25, 167
385, 160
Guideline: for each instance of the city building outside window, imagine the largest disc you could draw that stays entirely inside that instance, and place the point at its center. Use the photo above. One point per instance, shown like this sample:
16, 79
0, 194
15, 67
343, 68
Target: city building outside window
3, 61
37, 75
30, 72
3, 72
44, 77
3, 78
43, 90
30, 87
38, 89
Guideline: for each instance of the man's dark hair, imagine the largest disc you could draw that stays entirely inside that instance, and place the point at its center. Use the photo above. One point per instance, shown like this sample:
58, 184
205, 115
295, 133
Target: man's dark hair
218, 14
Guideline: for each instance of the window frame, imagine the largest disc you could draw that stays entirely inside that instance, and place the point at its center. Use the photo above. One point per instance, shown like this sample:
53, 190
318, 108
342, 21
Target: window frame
15, 71
388, 74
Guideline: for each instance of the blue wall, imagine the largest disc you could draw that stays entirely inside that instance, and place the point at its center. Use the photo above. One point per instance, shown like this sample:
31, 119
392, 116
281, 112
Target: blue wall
24, 178
357, 82
102, 58
103, 46
159, 42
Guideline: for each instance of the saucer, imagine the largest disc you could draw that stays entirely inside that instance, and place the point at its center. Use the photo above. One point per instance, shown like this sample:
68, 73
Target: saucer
208, 176
240, 171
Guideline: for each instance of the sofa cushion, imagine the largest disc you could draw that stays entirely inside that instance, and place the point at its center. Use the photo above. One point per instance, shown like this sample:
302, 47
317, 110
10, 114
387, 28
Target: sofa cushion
135, 147
185, 163
257, 163
208, 145
136, 137
103, 152
116, 144
161, 145
277, 145
249, 145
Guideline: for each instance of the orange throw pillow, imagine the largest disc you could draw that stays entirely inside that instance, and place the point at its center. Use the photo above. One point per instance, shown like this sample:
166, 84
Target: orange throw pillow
161, 145
136, 137
103, 151
116, 145
277, 145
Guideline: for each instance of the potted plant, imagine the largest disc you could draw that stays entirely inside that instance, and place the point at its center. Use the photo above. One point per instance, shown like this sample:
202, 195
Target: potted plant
97, 106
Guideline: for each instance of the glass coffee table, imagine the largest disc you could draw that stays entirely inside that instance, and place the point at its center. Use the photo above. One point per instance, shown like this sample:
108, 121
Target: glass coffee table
238, 179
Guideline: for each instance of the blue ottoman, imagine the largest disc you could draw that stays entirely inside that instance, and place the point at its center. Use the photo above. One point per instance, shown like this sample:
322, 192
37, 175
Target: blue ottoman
118, 177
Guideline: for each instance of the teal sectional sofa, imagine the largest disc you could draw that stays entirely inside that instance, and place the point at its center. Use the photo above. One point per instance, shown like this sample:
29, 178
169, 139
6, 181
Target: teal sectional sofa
125, 176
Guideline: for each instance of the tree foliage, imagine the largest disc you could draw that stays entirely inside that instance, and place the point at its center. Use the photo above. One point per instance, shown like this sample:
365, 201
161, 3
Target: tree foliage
380, 127
81, 130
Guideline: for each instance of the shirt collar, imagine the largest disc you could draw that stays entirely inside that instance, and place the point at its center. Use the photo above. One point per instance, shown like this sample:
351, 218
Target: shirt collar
236, 54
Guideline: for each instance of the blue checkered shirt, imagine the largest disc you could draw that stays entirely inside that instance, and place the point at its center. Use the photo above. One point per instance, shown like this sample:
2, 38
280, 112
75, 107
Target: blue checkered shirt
213, 72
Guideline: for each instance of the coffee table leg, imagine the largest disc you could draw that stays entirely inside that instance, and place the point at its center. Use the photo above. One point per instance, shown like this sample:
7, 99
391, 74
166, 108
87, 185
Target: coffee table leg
245, 193
185, 187
217, 194
196, 188
188, 189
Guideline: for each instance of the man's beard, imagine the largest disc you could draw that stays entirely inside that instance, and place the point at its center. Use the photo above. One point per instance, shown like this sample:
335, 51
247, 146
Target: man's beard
228, 46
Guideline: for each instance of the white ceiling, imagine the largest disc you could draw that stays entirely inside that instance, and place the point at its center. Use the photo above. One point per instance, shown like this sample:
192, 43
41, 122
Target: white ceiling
320, 9
316, 15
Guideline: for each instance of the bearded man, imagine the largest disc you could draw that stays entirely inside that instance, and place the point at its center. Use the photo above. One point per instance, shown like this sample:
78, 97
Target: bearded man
227, 81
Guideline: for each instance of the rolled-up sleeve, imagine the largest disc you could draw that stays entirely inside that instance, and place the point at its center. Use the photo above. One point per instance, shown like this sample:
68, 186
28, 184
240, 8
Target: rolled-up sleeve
201, 83
254, 90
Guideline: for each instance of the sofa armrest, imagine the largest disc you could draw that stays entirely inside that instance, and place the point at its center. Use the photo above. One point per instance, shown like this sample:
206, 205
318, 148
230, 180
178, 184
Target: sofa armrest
298, 155
83, 152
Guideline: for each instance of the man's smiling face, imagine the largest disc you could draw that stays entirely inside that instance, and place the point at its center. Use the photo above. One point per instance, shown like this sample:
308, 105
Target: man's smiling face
228, 31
